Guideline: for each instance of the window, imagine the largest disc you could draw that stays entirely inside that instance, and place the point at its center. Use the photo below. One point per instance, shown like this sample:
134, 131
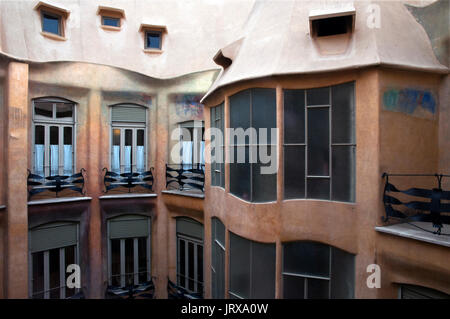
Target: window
217, 259
52, 20
192, 143
128, 250
128, 147
319, 143
253, 108
217, 147
53, 247
190, 255
248, 278
51, 23
53, 128
111, 18
419, 292
316, 271
153, 37
326, 23
110, 21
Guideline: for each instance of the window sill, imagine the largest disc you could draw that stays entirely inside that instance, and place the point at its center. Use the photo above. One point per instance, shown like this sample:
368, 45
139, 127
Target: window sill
184, 193
58, 200
53, 36
124, 196
157, 51
409, 231
2, 207
110, 28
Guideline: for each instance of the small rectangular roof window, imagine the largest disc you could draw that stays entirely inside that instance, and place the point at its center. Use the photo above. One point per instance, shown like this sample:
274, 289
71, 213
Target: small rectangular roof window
328, 22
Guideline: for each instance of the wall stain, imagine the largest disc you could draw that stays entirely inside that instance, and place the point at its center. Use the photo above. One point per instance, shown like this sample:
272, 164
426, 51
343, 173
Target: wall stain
410, 101
189, 106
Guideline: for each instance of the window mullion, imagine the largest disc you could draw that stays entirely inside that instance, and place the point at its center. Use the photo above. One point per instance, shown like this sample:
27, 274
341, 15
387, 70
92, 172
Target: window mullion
122, 262
136, 260
62, 272
46, 275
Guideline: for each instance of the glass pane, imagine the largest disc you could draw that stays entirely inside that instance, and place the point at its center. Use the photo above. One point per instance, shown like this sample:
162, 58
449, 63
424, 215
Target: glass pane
318, 188
182, 263
116, 136
239, 266
142, 256
68, 151
342, 274
114, 22
69, 257
43, 109
140, 138
50, 23
200, 268
39, 135
128, 137
307, 258
263, 277
54, 150
129, 261
38, 274
54, 273
63, 110
128, 154
319, 96
240, 111
294, 172
293, 287
220, 232
191, 261
39, 150
343, 113
54, 135
264, 185
220, 273
318, 289
343, 179
240, 174
318, 142
67, 135
115, 262
294, 116
154, 40
264, 114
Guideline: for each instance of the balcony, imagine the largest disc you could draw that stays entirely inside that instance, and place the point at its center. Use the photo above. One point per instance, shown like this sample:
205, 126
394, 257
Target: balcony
186, 179
131, 184
421, 213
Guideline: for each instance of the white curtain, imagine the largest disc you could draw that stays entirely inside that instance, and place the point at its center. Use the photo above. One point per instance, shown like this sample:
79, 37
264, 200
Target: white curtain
202, 152
115, 160
186, 158
39, 159
140, 159
127, 159
68, 159
54, 160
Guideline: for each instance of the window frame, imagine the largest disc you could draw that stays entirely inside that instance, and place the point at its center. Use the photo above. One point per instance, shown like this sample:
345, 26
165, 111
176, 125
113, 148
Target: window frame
103, 17
134, 126
159, 33
194, 138
47, 123
122, 252
196, 243
62, 270
148, 28
219, 123
53, 15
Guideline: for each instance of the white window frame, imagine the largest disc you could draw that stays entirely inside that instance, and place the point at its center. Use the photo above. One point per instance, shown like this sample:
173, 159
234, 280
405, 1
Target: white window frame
60, 123
194, 138
134, 126
195, 242
62, 270
135, 257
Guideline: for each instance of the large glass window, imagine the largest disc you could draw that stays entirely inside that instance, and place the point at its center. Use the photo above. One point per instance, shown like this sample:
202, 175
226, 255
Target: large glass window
248, 278
53, 149
128, 250
53, 247
217, 259
319, 143
190, 255
253, 108
128, 147
218, 147
316, 271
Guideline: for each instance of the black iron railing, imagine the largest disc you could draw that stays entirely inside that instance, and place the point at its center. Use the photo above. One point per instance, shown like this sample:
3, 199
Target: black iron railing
57, 183
177, 292
131, 180
432, 209
185, 177
144, 290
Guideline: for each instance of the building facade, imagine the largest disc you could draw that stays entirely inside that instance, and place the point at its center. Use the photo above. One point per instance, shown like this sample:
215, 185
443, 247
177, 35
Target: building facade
108, 161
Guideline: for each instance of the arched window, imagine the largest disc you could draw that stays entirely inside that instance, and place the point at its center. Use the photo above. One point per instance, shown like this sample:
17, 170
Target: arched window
190, 254
129, 138
129, 239
54, 138
52, 248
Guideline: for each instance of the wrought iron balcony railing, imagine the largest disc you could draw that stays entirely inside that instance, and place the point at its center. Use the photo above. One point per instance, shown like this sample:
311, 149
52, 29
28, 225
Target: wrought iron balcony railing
433, 209
129, 181
56, 183
185, 177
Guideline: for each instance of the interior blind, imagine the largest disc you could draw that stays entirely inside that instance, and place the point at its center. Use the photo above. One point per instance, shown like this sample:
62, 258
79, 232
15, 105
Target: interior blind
128, 114
129, 227
53, 236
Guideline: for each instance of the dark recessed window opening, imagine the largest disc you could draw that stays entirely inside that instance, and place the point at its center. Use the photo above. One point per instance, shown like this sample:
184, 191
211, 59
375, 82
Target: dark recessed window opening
332, 26
153, 40
51, 23
109, 21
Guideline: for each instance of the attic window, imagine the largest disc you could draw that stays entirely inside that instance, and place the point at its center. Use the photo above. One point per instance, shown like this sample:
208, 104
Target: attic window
111, 18
329, 23
153, 37
52, 20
